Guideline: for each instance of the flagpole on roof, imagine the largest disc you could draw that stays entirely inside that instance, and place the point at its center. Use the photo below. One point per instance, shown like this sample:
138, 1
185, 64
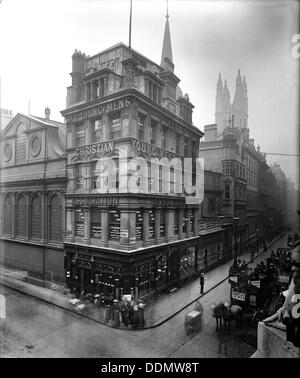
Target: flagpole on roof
130, 22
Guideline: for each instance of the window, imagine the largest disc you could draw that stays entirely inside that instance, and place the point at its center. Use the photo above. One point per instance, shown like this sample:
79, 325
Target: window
153, 131
80, 135
141, 126
227, 191
172, 180
164, 137
79, 223
97, 131
95, 223
21, 144
21, 216
176, 222
114, 218
151, 224
162, 230
139, 225
115, 124
80, 181
212, 205
36, 218
55, 219
8, 209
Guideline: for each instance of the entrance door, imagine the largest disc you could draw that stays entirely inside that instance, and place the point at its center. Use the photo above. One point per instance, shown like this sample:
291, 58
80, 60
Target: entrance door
85, 280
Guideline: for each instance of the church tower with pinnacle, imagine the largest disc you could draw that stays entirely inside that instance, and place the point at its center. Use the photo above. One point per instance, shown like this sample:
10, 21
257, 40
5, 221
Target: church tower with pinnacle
235, 114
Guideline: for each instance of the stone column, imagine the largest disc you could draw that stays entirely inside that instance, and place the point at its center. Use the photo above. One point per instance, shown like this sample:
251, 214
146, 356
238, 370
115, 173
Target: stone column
195, 221
28, 216
169, 224
128, 228
157, 225
104, 227
180, 223
146, 227
87, 225
14, 215
188, 224
44, 217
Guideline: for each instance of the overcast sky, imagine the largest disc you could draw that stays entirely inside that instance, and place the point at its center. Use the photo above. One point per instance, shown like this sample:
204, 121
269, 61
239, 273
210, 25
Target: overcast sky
38, 38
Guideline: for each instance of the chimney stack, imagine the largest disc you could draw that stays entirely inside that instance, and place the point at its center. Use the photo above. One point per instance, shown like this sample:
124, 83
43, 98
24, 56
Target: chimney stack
47, 113
210, 133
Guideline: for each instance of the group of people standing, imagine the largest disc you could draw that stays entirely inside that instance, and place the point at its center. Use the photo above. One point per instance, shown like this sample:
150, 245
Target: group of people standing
126, 313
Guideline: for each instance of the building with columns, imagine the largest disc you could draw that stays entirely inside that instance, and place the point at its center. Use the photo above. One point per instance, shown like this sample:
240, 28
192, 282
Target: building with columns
120, 241
32, 186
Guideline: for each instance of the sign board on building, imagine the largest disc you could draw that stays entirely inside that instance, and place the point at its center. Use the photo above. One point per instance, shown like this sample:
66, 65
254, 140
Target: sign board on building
238, 296
255, 283
233, 279
283, 279
97, 111
94, 149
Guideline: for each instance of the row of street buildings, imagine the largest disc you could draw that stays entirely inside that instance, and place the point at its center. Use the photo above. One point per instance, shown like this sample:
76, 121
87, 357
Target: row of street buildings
60, 224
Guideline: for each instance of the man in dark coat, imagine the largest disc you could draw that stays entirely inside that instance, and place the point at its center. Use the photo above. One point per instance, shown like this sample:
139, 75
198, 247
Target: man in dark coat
202, 280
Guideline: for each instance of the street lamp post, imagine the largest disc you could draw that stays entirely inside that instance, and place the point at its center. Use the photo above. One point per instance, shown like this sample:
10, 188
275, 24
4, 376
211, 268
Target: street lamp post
257, 240
236, 221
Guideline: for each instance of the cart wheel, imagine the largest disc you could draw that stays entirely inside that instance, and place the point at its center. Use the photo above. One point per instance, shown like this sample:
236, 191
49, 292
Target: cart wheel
257, 317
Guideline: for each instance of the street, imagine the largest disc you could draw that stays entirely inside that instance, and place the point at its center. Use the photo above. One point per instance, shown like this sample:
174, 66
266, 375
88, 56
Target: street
36, 329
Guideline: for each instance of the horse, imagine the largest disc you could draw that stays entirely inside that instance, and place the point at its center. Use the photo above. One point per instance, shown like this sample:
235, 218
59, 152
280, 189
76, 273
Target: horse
218, 311
227, 313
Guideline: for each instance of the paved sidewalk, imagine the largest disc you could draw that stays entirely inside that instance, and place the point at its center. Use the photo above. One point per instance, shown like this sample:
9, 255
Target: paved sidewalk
158, 310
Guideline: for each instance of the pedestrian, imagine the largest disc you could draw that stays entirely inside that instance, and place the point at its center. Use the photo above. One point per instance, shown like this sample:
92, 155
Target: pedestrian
141, 315
202, 280
135, 316
125, 314
131, 313
107, 314
116, 314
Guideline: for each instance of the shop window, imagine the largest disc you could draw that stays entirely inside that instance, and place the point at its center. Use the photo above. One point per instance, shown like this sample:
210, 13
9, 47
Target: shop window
97, 131
187, 262
8, 209
212, 205
21, 216
95, 223
115, 126
21, 144
184, 221
36, 217
114, 224
79, 223
139, 225
141, 126
55, 219
162, 270
80, 135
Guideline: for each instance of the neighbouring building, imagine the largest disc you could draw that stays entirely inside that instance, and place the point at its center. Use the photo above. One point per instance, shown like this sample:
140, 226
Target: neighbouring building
32, 186
120, 242
250, 190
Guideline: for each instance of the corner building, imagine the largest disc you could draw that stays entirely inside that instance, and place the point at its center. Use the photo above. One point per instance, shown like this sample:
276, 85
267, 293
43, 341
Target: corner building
121, 242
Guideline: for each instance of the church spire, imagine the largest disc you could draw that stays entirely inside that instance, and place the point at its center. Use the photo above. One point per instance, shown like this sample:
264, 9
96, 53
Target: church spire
166, 56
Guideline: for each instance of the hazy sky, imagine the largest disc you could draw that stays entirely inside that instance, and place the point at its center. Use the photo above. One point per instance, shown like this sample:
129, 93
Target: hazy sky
38, 38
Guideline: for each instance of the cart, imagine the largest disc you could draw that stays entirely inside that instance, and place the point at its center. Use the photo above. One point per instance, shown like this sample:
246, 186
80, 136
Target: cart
193, 322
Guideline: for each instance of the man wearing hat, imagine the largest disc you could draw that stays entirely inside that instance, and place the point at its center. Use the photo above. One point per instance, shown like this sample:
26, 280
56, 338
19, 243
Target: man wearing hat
202, 280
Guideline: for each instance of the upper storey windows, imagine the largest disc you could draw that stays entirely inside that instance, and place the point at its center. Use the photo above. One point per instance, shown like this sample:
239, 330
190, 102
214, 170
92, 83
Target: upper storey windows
21, 142
80, 135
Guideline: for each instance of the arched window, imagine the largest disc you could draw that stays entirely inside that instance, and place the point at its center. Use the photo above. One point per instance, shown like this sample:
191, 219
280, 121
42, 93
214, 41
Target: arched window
21, 144
7, 227
36, 218
21, 216
55, 219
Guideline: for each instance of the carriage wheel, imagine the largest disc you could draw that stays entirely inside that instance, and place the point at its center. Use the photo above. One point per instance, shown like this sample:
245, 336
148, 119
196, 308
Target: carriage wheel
257, 317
